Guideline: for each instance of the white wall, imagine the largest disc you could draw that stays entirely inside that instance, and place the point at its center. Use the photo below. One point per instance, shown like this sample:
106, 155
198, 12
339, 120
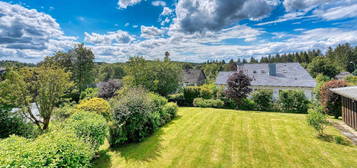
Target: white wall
308, 91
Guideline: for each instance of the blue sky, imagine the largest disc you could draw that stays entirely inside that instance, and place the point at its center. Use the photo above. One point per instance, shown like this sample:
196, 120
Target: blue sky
191, 30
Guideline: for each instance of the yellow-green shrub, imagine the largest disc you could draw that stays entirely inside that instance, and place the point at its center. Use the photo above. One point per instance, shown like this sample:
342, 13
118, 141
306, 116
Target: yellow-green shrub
52, 150
97, 105
90, 127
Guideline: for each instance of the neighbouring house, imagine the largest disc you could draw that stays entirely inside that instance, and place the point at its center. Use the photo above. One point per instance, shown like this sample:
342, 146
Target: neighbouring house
193, 77
342, 75
274, 76
349, 104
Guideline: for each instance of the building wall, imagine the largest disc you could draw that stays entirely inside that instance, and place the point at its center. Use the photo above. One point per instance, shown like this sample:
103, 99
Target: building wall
307, 91
349, 112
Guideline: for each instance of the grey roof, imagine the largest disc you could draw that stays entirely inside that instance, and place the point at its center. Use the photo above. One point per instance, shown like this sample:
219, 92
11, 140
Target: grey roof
349, 92
342, 75
288, 75
193, 76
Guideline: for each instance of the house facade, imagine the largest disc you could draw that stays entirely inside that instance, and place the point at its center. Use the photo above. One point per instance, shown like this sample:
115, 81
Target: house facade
193, 77
349, 104
275, 77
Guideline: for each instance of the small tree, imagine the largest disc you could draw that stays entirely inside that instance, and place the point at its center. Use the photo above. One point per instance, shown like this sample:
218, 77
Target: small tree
44, 86
317, 119
330, 101
238, 87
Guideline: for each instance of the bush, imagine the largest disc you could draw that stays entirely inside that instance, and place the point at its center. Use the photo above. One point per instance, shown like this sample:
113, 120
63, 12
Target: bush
317, 119
171, 109
89, 93
190, 93
158, 100
54, 149
200, 102
97, 105
246, 104
293, 101
329, 100
90, 127
177, 98
134, 117
263, 100
12, 123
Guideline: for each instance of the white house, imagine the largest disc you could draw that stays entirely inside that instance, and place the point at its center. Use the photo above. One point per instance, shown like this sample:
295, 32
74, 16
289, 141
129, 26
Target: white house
274, 76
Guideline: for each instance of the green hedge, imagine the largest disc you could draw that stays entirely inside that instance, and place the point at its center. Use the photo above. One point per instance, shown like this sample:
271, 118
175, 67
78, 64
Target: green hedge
52, 150
90, 127
293, 101
263, 100
200, 102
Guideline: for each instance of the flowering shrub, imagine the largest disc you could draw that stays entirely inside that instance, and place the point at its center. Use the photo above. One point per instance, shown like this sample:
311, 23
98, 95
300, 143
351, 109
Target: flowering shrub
329, 100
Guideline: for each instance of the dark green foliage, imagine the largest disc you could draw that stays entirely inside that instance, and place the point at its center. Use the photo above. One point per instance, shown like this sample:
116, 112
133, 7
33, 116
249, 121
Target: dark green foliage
246, 104
108, 72
293, 101
200, 102
324, 66
55, 149
137, 114
79, 61
90, 127
12, 123
344, 56
263, 100
134, 117
162, 77
301, 57
177, 98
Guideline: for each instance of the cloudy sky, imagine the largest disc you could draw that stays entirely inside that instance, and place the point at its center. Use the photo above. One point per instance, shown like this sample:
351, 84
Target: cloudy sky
191, 30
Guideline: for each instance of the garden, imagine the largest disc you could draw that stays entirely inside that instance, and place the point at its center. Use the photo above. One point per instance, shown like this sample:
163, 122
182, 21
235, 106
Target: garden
69, 111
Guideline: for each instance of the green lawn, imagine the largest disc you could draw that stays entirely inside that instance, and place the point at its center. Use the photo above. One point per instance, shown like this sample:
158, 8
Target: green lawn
201, 137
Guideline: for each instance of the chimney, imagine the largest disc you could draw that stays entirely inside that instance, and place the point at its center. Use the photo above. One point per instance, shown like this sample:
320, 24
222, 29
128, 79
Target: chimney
272, 69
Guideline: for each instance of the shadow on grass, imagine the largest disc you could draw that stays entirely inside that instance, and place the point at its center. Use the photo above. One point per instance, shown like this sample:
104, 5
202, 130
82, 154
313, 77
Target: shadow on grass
335, 139
103, 160
149, 149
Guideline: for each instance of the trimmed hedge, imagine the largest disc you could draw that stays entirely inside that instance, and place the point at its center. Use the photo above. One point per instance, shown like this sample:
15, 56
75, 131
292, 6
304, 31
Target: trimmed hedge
97, 105
200, 102
90, 127
54, 149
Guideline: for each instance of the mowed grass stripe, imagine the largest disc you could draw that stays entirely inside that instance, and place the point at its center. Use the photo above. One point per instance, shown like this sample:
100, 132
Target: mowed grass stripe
207, 138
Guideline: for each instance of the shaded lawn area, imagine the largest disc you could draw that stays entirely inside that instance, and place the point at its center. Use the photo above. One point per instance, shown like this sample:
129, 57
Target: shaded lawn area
205, 137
